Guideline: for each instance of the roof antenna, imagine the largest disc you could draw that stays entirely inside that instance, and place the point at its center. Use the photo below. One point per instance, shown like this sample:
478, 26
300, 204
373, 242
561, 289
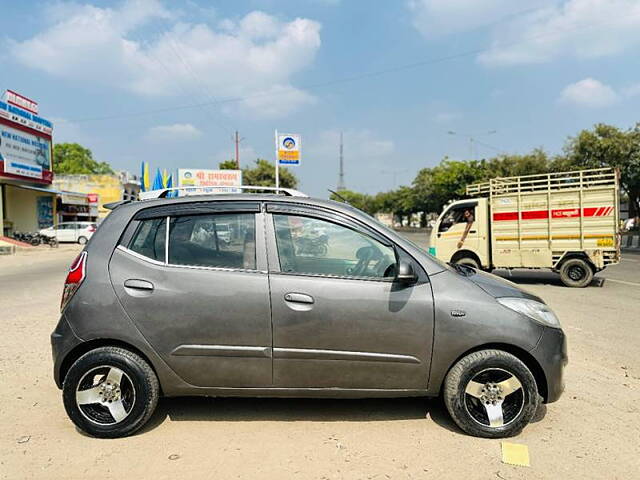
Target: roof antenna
339, 196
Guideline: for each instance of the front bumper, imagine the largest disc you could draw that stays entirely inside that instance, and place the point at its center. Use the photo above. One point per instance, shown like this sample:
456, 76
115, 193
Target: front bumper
63, 340
551, 354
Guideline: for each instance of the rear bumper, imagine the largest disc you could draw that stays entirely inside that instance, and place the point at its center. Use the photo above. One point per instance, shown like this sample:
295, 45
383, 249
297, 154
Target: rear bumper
551, 354
63, 340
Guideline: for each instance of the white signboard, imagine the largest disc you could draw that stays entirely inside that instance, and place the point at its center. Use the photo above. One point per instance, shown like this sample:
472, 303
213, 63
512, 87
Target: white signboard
21, 101
24, 153
21, 116
289, 148
213, 181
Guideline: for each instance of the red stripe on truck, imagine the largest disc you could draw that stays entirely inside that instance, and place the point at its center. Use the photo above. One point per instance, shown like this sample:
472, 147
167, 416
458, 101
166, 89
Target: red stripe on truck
558, 213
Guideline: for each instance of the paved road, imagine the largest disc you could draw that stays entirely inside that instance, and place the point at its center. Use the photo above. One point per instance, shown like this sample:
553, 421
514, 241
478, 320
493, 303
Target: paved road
592, 432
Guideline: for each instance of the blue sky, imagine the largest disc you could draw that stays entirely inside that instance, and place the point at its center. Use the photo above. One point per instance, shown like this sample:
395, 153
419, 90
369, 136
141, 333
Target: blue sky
122, 78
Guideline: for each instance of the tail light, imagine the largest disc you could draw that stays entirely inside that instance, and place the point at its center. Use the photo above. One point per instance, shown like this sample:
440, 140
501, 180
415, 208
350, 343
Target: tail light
91, 228
75, 277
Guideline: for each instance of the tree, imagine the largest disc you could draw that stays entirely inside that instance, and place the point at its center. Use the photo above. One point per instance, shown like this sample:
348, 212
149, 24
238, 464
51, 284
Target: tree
609, 146
263, 174
73, 158
361, 201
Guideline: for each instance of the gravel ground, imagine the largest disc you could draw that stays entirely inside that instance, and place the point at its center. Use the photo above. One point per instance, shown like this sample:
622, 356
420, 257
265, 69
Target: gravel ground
592, 432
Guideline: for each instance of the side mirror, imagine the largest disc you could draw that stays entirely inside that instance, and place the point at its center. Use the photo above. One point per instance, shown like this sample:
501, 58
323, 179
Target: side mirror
406, 274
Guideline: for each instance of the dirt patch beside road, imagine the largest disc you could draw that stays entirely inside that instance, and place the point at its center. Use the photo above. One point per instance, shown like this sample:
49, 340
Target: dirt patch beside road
592, 432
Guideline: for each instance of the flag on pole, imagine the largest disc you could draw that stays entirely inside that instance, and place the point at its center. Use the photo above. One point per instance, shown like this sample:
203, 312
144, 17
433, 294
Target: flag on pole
165, 178
157, 181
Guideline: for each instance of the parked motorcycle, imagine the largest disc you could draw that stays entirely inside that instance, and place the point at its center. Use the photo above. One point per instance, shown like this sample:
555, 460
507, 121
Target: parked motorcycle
317, 246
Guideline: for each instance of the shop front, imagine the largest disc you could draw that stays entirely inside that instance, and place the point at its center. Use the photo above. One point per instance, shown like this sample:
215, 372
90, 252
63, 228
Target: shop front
27, 200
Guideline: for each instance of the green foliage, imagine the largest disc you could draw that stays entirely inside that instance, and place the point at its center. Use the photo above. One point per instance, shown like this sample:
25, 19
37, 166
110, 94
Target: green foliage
263, 173
434, 187
366, 203
609, 146
227, 165
73, 158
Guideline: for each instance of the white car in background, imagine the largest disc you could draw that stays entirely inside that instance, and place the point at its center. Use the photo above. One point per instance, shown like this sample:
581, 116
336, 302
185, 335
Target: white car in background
76, 232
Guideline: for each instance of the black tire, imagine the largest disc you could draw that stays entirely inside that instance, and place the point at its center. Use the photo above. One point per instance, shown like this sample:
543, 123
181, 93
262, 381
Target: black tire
82, 240
468, 261
469, 412
90, 372
576, 272
53, 242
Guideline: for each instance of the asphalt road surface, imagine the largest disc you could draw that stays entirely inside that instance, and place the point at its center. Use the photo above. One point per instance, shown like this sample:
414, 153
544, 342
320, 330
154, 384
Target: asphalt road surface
592, 432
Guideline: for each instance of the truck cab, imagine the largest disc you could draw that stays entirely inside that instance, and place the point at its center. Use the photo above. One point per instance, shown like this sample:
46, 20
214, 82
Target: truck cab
450, 228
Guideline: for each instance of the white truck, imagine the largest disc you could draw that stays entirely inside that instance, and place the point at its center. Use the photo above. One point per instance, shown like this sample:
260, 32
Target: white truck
566, 222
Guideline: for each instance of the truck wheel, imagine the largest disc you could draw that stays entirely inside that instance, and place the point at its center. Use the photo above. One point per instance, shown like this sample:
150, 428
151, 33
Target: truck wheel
468, 261
491, 394
576, 272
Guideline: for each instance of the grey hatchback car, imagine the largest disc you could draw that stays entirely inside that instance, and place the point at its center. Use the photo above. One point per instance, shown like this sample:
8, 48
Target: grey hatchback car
297, 297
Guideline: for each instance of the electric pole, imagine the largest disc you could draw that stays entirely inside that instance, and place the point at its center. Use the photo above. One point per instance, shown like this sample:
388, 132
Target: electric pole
237, 139
341, 185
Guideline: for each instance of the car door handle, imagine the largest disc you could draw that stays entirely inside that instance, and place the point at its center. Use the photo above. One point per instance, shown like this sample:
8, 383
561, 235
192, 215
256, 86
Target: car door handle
138, 284
472, 231
298, 298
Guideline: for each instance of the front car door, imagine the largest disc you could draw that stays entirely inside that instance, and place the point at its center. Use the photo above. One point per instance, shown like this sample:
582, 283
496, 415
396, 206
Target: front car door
339, 318
201, 302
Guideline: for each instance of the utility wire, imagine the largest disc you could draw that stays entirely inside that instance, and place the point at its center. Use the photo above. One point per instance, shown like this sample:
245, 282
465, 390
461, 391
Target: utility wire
353, 78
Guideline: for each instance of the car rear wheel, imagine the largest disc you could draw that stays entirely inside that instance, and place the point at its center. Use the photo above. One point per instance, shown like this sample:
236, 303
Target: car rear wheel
576, 272
491, 394
110, 392
82, 240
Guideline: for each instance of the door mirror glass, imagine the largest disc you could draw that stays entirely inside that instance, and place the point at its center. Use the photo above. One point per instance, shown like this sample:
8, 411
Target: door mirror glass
406, 273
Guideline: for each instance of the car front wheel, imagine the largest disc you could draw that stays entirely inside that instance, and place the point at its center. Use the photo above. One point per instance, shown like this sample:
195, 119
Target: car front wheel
110, 392
491, 394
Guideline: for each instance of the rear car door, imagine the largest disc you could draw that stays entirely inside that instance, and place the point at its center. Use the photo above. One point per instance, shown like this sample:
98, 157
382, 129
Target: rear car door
339, 319
65, 232
201, 302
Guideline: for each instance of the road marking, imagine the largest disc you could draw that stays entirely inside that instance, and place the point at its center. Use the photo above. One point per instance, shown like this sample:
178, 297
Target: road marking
622, 281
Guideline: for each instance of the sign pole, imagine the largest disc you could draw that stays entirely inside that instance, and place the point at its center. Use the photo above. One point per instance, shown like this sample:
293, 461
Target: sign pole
277, 165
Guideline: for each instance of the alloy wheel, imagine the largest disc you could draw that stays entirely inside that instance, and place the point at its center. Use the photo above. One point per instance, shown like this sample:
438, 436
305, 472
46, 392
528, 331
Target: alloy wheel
494, 397
105, 395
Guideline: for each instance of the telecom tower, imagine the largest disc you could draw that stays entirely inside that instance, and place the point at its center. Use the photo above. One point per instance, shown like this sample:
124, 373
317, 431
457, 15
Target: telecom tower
341, 173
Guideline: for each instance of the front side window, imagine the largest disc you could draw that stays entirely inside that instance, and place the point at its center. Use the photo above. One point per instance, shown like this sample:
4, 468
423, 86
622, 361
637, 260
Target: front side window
311, 246
461, 214
149, 239
213, 240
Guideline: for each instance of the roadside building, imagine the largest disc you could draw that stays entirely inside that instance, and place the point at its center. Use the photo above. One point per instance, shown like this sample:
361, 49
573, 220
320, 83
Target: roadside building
77, 207
101, 188
27, 200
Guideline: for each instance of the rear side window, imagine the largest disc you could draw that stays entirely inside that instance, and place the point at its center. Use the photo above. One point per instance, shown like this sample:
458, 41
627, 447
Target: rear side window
149, 239
214, 240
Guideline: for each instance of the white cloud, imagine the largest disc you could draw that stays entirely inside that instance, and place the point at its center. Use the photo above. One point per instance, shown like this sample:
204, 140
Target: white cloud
580, 28
437, 17
172, 133
256, 54
589, 93
446, 117
631, 90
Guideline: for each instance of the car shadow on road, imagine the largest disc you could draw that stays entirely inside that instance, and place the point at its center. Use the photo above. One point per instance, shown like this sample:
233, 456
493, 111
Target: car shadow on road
528, 277
300, 409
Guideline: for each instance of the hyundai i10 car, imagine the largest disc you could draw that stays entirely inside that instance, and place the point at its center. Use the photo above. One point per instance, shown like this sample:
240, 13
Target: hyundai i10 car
220, 295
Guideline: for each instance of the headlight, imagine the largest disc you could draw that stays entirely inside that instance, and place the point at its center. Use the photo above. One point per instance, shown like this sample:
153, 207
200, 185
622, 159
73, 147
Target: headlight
532, 309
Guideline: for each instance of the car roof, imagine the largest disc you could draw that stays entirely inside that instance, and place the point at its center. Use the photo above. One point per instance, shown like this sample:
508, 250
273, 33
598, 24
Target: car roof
251, 197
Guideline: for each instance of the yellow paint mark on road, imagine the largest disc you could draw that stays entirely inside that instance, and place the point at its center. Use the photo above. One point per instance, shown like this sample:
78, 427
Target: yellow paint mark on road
515, 454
